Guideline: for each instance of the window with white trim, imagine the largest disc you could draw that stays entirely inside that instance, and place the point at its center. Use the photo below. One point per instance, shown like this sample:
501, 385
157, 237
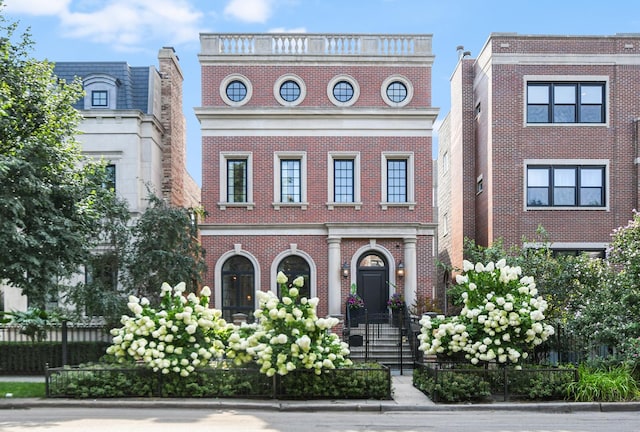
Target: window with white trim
290, 182
398, 180
236, 180
566, 186
343, 90
396, 91
100, 91
236, 90
344, 180
566, 102
289, 90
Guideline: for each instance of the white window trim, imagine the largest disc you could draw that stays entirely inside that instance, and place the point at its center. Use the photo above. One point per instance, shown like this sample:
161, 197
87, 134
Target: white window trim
222, 169
235, 77
357, 197
408, 86
567, 78
100, 82
411, 198
351, 80
568, 162
279, 156
282, 80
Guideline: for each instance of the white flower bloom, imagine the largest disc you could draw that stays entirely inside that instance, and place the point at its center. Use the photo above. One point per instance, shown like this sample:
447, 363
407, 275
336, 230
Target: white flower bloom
205, 291
293, 292
460, 279
298, 282
467, 266
479, 268
281, 278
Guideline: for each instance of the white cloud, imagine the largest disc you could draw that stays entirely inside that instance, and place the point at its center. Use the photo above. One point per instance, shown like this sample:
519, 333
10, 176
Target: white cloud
249, 10
36, 7
127, 25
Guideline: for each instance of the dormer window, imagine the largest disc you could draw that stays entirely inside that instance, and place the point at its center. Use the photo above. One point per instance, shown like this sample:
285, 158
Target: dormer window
101, 91
100, 98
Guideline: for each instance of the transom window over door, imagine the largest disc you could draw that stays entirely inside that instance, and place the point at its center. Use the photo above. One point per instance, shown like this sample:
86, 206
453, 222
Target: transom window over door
566, 102
295, 266
237, 288
565, 186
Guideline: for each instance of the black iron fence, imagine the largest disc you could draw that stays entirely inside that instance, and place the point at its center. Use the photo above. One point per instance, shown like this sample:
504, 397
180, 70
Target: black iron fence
456, 382
71, 332
111, 382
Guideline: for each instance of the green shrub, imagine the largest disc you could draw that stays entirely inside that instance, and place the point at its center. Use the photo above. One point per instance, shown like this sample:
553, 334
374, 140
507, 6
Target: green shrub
599, 385
453, 385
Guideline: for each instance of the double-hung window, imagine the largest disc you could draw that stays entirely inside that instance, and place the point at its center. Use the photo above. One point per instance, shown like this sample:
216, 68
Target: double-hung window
290, 170
290, 181
398, 180
566, 186
344, 180
566, 102
236, 180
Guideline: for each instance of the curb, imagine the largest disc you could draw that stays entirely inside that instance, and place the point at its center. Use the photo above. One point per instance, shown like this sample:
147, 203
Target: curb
336, 405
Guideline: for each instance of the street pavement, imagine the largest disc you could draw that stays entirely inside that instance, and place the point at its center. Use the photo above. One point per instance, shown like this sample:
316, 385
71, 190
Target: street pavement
405, 398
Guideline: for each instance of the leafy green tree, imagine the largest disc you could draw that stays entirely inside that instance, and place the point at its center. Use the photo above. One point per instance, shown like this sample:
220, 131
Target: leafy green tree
48, 211
165, 249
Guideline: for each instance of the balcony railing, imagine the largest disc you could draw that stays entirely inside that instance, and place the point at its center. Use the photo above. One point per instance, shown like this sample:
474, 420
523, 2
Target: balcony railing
315, 44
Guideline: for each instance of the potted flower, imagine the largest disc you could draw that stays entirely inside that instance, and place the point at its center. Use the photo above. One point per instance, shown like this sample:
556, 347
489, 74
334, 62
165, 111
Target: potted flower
396, 304
355, 306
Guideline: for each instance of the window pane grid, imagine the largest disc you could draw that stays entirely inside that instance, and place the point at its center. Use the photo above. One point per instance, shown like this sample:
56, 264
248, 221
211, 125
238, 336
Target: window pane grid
237, 180
343, 91
236, 91
290, 180
573, 186
343, 173
397, 180
571, 103
290, 91
397, 92
99, 98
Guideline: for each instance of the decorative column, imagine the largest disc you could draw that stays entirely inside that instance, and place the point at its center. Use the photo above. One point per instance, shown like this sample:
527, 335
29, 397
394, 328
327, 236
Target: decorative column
333, 277
410, 271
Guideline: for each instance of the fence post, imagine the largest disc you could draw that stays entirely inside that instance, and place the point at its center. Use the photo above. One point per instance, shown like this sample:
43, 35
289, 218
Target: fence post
46, 379
505, 377
64, 343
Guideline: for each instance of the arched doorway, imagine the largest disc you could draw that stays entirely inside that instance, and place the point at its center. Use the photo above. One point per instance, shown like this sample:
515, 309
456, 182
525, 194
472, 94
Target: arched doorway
373, 274
237, 288
295, 266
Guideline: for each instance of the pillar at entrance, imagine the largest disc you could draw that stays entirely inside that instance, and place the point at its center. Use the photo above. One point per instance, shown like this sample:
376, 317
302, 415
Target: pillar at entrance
333, 276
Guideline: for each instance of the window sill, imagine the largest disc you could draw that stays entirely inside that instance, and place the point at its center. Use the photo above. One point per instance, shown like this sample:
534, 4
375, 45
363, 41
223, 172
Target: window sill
355, 205
551, 208
247, 205
301, 205
409, 205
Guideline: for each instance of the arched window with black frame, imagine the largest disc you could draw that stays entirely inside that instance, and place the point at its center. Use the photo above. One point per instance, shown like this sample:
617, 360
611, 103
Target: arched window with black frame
293, 267
238, 281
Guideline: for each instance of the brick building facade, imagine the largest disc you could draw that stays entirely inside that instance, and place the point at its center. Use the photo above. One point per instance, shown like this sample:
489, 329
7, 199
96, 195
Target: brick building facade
542, 132
316, 161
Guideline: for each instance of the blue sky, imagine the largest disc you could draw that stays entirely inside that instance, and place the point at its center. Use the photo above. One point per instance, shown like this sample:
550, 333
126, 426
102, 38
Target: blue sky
134, 30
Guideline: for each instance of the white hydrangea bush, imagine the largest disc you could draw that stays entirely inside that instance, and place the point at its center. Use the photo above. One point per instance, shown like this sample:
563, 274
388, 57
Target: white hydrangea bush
502, 317
288, 334
183, 335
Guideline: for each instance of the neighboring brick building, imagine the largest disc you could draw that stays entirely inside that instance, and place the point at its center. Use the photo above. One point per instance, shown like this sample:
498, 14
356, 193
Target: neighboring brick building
317, 160
543, 131
132, 118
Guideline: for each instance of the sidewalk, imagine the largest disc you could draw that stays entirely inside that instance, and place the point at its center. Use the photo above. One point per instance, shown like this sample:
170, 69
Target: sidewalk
405, 398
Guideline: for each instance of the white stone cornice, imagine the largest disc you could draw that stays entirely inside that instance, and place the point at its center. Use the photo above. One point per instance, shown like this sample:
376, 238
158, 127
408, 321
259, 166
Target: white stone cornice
316, 122
331, 230
566, 59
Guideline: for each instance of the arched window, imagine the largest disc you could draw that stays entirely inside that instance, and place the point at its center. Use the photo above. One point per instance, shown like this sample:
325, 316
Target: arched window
238, 277
293, 267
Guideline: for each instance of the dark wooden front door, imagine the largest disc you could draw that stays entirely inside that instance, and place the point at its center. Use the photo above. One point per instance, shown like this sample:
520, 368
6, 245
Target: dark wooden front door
373, 288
